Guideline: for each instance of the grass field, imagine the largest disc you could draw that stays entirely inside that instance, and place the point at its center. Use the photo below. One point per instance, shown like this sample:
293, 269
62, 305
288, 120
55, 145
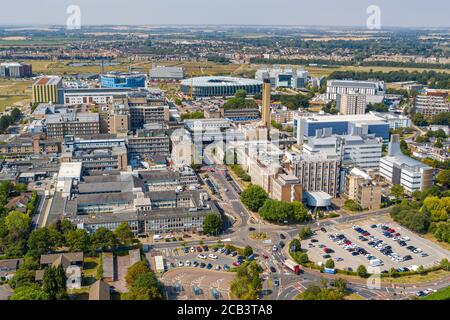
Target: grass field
443, 294
14, 92
417, 278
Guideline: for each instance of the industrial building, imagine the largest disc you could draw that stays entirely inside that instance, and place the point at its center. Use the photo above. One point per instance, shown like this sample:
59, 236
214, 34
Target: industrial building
15, 70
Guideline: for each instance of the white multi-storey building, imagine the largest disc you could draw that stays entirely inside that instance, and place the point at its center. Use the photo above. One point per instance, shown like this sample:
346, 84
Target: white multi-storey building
369, 88
397, 168
355, 150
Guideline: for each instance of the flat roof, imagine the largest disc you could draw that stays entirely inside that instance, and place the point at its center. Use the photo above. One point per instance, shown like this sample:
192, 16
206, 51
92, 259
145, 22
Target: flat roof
70, 170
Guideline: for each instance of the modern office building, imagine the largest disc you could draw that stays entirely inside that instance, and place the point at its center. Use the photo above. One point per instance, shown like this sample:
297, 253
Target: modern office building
306, 125
355, 150
15, 70
351, 103
60, 125
219, 86
283, 77
46, 89
316, 172
398, 168
123, 80
166, 73
368, 88
431, 104
362, 189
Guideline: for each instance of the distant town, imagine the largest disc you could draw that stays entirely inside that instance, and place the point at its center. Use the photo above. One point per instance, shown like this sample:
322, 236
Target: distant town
224, 163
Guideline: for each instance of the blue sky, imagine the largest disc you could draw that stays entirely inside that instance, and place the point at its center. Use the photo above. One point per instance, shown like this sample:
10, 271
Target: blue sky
403, 13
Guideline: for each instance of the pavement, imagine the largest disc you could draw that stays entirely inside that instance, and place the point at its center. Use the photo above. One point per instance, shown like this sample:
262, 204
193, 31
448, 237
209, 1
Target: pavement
5, 291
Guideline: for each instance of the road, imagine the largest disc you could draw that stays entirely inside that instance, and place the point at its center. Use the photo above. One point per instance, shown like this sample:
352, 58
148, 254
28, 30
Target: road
290, 284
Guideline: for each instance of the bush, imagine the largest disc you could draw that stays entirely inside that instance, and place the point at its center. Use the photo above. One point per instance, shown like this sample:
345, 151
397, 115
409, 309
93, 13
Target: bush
329, 264
305, 233
362, 271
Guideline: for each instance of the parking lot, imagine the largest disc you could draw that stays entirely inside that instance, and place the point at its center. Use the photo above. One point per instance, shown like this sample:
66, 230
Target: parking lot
197, 257
197, 284
373, 243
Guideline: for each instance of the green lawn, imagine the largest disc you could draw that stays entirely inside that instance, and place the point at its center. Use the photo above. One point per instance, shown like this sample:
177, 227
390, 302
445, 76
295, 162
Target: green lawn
443, 294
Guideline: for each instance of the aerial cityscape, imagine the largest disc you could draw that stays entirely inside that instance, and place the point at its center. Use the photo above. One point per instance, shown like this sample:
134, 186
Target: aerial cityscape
203, 161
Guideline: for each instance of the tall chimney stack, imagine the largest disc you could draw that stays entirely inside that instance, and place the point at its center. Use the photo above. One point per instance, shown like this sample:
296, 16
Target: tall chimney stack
266, 104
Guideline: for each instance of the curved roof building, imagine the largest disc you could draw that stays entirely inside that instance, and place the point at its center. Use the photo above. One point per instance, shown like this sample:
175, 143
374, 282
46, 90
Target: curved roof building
219, 86
123, 80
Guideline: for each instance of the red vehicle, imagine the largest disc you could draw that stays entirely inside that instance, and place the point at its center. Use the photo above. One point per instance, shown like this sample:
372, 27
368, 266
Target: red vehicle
366, 234
397, 234
348, 242
236, 263
293, 266
265, 256
199, 249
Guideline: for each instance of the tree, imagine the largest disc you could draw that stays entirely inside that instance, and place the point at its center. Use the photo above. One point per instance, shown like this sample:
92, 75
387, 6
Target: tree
133, 272
54, 283
78, 240
20, 187
43, 240
397, 191
300, 212
329, 264
321, 292
103, 239
438, 143
248, 251
362, 271
254, 197
124, 233
17, 223
351, 205
443, 177
29, 292
305, 233
340, 284
247, 283
295, 245
212, 224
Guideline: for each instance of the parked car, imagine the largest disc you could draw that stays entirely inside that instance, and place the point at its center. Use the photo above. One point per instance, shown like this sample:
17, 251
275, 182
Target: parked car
187, 263
272, 269
236, 263
202, 256
209, 266
180, 263
226, 267
212, 256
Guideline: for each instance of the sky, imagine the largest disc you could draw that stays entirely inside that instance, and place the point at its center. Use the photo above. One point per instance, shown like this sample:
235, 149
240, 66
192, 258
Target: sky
394, 13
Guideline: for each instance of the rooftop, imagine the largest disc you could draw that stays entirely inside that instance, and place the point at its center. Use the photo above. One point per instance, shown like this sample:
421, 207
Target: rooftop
219, 80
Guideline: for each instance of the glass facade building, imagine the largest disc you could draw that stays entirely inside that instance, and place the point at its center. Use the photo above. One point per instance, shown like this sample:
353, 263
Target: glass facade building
123, 80
219, 86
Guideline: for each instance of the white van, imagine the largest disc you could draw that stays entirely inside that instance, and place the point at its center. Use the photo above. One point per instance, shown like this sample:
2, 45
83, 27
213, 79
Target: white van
157, 237
376, 262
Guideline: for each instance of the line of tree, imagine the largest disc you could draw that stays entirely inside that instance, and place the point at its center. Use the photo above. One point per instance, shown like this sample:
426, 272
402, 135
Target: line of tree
240, 101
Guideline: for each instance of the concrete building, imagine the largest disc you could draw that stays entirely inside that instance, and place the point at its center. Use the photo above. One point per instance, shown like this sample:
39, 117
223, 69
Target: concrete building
397, 168
60, 125
351, 103
97, 153
431, 104
362, 189
73, 96
354, 150
286, 187
46, 90
15, 70
148, 143
316, 172
368, 88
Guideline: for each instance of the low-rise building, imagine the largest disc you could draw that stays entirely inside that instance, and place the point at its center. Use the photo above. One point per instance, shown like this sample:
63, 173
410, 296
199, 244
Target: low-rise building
362, 189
